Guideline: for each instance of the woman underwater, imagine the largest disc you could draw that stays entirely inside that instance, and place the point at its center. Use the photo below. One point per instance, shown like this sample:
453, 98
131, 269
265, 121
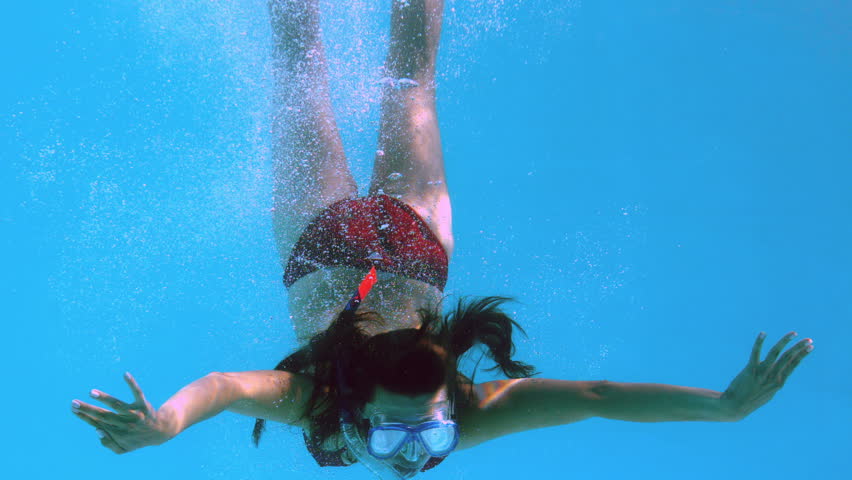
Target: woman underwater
375, 379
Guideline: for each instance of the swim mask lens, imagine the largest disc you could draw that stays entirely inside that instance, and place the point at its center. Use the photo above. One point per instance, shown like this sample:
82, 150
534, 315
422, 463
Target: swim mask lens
438, 438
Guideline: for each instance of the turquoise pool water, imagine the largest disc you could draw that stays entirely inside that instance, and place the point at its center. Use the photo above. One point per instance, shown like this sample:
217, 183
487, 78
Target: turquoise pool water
655, 183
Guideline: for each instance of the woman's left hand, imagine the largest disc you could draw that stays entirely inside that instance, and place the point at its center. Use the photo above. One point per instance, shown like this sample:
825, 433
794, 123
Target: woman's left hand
759, 381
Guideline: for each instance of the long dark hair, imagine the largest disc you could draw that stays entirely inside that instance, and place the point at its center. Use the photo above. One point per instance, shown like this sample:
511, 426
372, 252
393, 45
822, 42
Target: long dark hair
410, 361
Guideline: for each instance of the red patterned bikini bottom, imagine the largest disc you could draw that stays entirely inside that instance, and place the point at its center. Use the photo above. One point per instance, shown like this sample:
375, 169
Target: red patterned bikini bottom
349, 231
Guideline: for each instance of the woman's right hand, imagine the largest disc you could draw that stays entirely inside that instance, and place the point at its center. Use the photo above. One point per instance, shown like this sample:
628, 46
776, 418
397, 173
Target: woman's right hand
130, 426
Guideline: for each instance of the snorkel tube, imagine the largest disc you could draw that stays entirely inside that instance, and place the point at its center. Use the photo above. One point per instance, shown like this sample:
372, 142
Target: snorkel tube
354, 441
363, 289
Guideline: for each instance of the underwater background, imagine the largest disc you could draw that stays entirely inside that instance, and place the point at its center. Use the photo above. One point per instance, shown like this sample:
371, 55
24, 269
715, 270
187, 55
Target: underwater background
654, 182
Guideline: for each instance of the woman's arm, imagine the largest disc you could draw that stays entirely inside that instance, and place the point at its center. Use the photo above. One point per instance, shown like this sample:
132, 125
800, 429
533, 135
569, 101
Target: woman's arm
653, 402
271, 394
510, 406
274, 395
268, 394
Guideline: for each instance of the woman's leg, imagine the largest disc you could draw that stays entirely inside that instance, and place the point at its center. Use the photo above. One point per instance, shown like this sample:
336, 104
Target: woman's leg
310, 167
409, 139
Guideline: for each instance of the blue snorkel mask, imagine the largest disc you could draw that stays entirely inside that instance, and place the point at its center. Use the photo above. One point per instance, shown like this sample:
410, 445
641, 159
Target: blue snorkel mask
410, 446
436, 434
409, 441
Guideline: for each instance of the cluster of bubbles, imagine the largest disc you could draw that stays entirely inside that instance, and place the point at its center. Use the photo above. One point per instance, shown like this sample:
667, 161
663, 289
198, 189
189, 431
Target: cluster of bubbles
188, 183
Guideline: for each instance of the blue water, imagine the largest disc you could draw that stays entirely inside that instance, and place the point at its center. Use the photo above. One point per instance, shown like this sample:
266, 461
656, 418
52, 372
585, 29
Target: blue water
656, 182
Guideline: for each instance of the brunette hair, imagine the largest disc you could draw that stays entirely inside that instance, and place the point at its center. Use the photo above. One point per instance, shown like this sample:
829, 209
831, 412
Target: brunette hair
411, 361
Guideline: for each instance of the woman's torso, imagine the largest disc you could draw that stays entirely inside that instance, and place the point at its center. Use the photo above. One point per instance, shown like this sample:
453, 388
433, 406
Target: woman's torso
316, 299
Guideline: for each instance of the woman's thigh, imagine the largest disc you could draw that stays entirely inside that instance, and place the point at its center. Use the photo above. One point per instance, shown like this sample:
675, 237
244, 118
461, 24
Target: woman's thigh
311, 171
409, 164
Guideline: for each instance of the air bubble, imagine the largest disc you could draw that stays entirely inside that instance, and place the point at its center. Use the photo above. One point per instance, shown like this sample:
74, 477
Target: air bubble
404, 83
398, 84
388, 82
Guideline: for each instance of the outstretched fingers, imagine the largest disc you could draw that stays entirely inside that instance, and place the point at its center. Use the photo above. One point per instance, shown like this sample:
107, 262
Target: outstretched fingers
140, 403
110, 401
101, 417
102, 429
111, 425
790, 360
776, 350
88, 419
760, 381
754, 361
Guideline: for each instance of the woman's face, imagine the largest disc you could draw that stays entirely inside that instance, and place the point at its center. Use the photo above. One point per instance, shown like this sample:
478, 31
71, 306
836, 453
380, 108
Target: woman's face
396, 408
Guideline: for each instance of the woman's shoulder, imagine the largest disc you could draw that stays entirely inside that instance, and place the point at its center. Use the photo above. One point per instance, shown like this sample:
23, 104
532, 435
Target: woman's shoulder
465, 397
